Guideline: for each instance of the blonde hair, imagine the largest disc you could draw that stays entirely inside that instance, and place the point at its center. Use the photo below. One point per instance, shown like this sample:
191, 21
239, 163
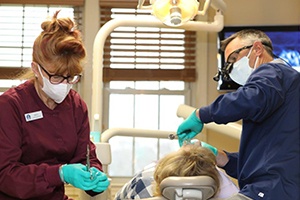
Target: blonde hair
191, 161
59, 46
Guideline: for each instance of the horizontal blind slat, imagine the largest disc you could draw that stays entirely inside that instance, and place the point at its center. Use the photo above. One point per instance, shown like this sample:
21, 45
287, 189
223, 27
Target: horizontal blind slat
118, 3
45, 2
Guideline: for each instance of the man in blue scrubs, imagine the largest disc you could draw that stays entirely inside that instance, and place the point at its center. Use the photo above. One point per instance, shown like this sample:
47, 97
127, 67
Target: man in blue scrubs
267, 165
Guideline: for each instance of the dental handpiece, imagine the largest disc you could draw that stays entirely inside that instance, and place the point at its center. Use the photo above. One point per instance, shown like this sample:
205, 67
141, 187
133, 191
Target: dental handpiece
172, 136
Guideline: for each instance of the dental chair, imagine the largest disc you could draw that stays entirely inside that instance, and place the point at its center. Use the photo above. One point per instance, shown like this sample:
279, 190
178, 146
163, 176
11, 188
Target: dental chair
187, 188
172, 188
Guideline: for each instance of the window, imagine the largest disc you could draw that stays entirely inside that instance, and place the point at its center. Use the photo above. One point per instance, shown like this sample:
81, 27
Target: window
20, 25
145, 105
146, 73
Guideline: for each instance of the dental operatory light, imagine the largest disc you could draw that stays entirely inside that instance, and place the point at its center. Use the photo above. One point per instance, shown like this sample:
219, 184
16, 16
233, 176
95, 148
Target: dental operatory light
174, 12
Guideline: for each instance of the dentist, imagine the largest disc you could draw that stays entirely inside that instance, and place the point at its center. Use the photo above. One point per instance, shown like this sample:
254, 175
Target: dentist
267, 165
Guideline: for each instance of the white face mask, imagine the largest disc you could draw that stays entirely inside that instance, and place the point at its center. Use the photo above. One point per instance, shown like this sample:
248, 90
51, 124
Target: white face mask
56, 92
241, 70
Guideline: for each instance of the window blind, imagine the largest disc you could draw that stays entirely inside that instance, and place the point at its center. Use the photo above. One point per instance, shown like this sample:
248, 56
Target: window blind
147, 53
20, 25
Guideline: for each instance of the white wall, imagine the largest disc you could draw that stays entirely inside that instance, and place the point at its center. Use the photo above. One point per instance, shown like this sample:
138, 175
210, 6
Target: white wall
91, 25
262, 12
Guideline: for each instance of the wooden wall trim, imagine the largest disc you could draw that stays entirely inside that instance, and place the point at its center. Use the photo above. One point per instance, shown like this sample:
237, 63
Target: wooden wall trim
187, 75
110, 74
11, 72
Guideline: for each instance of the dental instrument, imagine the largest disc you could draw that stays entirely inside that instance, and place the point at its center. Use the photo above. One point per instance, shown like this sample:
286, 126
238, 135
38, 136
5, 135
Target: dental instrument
88, 164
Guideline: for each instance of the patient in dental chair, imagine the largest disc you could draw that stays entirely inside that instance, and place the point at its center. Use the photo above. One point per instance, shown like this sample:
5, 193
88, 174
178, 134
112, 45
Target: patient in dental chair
189, 160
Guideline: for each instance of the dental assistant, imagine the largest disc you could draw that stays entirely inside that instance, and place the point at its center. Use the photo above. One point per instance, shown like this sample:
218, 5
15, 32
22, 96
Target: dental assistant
44, 125
267, 165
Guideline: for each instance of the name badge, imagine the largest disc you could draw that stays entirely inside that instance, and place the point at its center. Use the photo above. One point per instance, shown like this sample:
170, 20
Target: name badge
33, 116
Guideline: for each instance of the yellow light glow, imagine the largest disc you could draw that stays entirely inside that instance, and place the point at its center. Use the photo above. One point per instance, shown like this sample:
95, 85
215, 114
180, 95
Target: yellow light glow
187, 8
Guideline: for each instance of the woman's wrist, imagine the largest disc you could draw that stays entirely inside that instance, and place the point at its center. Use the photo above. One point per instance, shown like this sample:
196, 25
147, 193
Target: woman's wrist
61, 174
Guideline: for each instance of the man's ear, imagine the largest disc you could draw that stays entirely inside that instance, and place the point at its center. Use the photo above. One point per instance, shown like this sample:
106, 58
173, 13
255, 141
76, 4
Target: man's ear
258, 48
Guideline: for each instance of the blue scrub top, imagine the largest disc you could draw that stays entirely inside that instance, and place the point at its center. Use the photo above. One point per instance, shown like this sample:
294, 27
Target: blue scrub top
267, 165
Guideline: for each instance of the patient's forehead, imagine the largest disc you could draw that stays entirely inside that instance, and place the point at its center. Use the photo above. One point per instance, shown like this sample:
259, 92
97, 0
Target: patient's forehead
187, 147
193, 143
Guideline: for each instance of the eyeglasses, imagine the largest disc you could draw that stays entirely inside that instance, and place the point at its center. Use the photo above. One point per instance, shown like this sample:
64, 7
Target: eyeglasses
233, 56
56, 79
232, 59
225, 71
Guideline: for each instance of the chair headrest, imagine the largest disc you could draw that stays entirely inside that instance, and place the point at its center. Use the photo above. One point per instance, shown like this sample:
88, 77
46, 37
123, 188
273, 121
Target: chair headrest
188, 187
103, 152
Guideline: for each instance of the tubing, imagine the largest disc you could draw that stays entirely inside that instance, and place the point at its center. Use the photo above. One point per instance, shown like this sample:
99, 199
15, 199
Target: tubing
231, 129
134, 132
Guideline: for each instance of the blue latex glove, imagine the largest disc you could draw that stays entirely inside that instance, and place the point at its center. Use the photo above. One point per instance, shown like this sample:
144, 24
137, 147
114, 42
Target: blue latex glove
78, 176
189, 128
212, 148
100, 179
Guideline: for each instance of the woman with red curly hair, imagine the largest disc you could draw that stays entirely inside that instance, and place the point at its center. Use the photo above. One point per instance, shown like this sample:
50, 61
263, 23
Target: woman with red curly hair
44, 126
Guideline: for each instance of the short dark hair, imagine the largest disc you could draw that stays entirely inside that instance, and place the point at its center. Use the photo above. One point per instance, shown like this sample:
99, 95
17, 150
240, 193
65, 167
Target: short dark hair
250, 36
